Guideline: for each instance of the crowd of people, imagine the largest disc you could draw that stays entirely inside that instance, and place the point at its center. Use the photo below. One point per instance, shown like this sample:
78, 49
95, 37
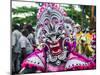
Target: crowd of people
86, 42
23, 44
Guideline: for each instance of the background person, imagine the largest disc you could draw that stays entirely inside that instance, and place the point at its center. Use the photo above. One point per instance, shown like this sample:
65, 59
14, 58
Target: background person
16, 34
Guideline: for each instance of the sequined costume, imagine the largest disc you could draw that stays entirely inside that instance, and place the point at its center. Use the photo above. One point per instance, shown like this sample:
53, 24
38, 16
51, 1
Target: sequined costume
57, 53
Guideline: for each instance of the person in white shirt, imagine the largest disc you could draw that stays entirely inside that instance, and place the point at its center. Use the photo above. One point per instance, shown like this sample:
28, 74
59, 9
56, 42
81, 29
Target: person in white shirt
24, 44
30, 35
16, 34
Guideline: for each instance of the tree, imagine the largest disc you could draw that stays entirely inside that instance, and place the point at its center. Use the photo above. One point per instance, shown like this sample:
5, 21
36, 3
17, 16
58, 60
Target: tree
78, 16
30, 19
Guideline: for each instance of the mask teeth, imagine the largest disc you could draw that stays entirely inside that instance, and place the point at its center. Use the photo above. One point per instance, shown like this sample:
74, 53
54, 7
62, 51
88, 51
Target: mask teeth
80, 66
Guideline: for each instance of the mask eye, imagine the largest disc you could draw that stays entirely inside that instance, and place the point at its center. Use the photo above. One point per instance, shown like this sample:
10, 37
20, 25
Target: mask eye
57, 35
67, 27
49, 37
70, 30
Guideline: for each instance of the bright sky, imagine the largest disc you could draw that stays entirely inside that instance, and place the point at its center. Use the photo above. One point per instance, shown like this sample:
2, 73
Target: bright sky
20, 4
77, 8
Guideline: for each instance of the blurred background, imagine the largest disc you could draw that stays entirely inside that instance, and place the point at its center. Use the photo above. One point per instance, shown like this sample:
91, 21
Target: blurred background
25, 13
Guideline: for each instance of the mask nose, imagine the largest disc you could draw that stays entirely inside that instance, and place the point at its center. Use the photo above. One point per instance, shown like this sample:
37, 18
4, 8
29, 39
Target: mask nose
53, 38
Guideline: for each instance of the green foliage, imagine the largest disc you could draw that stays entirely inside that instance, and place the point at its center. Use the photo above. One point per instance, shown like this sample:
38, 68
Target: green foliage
31, 19
77, 16
24, 9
